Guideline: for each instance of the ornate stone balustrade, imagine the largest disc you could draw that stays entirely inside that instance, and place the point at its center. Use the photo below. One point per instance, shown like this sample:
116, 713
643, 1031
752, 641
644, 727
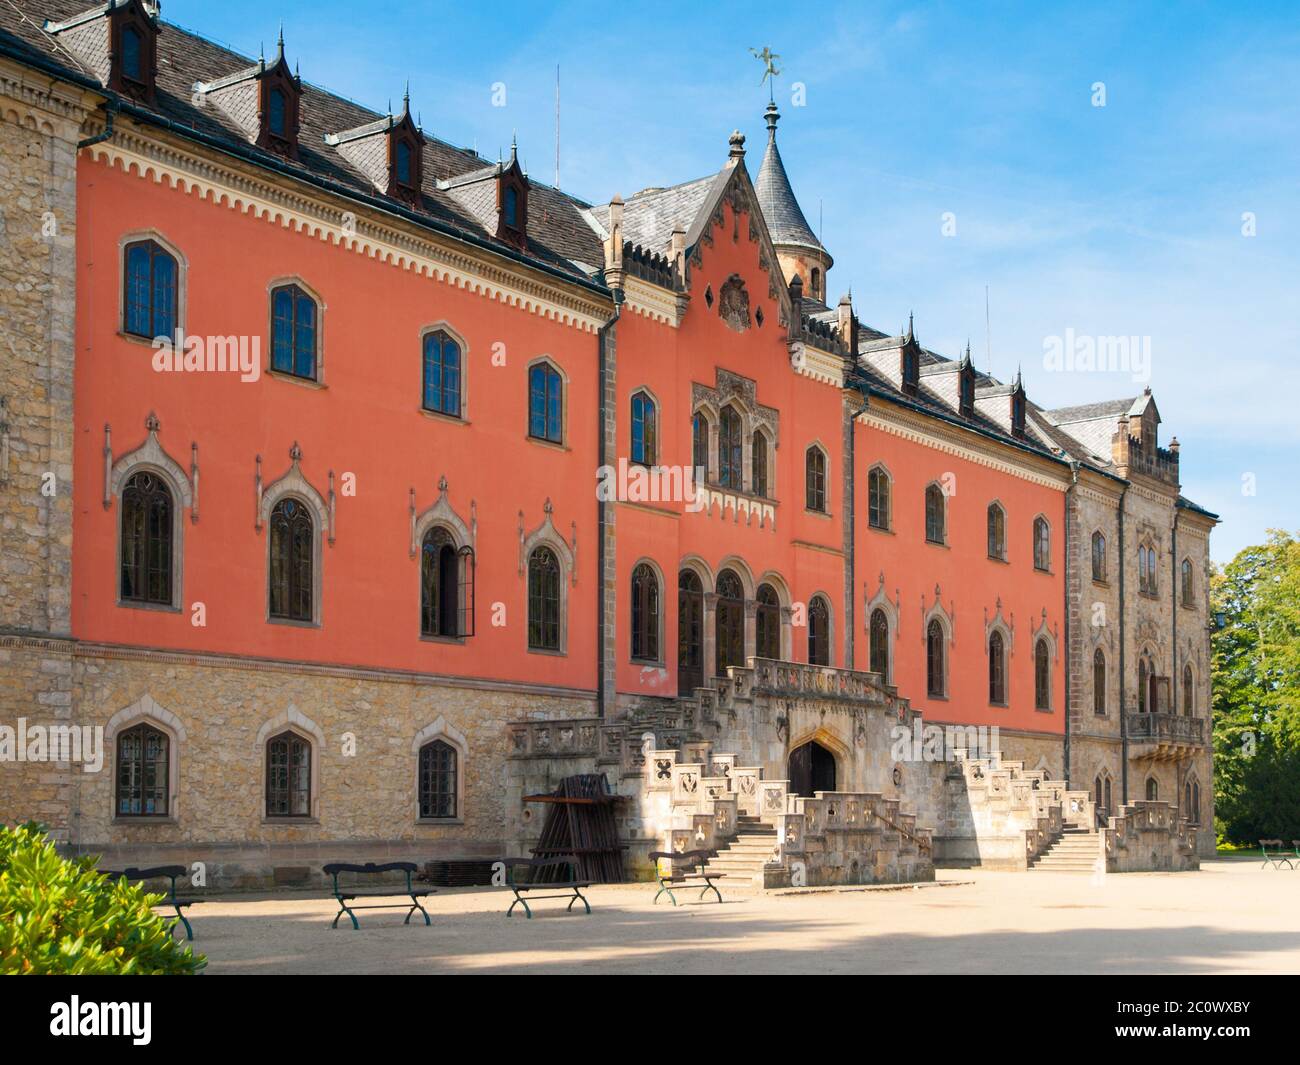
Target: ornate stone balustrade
1158, 728
772, 677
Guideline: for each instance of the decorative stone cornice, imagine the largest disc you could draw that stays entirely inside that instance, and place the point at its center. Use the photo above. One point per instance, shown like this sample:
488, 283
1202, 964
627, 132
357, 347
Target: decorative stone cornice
931, 433
652, 301
336, 220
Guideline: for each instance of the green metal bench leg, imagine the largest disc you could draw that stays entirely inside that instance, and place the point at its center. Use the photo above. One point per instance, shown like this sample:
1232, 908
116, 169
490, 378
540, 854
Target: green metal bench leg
709, 885
577, 897
189, 931
664, 888
416, 906
351, 916
520, 901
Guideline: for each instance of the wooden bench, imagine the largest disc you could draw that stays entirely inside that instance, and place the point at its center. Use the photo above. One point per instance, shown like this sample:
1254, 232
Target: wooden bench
571, 888
695, 872
1277, 859
158, 872
343, 897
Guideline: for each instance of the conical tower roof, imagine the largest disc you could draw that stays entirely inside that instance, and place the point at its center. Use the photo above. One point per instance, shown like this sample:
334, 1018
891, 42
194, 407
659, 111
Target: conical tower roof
785, 221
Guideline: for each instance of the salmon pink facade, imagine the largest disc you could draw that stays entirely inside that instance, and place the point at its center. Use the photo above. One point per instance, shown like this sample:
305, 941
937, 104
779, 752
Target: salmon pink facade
358, 491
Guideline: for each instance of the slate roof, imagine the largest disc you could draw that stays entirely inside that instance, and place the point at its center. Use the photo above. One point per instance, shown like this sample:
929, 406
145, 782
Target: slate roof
785, 220
558, 235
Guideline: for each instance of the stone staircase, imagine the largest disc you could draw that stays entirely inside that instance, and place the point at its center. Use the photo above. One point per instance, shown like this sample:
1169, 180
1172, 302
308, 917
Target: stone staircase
1076, 850
742, 858
1015, 814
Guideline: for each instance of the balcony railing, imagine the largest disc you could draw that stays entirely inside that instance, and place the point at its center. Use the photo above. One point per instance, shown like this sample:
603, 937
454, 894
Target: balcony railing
1165, 728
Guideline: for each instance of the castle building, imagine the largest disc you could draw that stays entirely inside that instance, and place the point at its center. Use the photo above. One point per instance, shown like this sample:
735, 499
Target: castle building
346, 484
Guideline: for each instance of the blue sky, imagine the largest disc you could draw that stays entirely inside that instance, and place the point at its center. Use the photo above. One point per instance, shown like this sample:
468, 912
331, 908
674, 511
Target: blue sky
1122, 220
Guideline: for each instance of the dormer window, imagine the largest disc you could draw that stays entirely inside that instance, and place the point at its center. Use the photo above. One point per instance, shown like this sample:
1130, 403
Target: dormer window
404, 160
131, 58
512, 202
911, 369
510, 210
275, 112
132, 49
1018, 408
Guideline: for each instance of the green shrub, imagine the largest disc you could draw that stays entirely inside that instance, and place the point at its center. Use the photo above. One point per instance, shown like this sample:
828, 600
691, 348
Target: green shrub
60, 916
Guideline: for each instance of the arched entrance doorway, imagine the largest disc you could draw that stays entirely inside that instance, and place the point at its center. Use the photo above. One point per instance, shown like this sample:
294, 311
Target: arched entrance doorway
811, 769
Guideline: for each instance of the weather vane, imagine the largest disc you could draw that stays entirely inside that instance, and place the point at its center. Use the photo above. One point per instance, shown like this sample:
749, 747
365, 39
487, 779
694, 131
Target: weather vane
770, 70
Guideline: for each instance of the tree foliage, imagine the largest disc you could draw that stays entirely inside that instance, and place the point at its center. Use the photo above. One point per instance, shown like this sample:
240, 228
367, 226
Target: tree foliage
1256, 673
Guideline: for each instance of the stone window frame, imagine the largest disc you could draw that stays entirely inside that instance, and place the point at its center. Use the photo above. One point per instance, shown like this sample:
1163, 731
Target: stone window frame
1192, 797
441, 514
1103, 783
1152, 784
830, 628
1105, 672
709, 414
769, 446
1041, 521
152, 457
882, 470
134, 236
1001, 629
546, 535
1001, 555
820, 448
1188, 681
443, 326
146, 710
317, 380
937, 613
1187, 584
441, 729
749, 611
1043, 635
291, 720
943, 513
563, 443
785, 601
648, 397
294, 484
661, 659
1098, 535
745, 434
893, 624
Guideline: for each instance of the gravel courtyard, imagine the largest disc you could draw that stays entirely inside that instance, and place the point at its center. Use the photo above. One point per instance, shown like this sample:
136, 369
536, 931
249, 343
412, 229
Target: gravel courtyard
1231, 917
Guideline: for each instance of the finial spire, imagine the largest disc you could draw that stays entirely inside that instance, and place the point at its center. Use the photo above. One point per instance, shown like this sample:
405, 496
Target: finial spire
910, 334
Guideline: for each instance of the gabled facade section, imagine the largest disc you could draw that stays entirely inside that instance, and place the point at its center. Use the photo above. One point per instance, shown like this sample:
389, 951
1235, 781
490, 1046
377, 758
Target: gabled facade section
388, 151
262, 100
118, 41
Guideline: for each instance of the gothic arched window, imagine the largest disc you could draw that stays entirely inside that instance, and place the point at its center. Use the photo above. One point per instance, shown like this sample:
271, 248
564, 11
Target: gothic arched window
645, 613
1098, 557
997, 669
1189, 692
446, 597
997, 532
288, 776
767, 622
546, 403
935, 531
878, 645
730, 622
1188, 587
146, 545
645, 444
1042, 676
543, 600
442, 373
878, 498
142, 772
819, 632
151, 290
815, 470
294, 331
437, 780
758, 465
935, 675
1042, 545
730, 456
1098, 682
292, 558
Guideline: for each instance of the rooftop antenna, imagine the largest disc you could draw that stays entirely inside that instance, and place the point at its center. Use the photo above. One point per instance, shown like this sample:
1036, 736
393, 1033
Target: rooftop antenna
988, 332
821, 231
557, 125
